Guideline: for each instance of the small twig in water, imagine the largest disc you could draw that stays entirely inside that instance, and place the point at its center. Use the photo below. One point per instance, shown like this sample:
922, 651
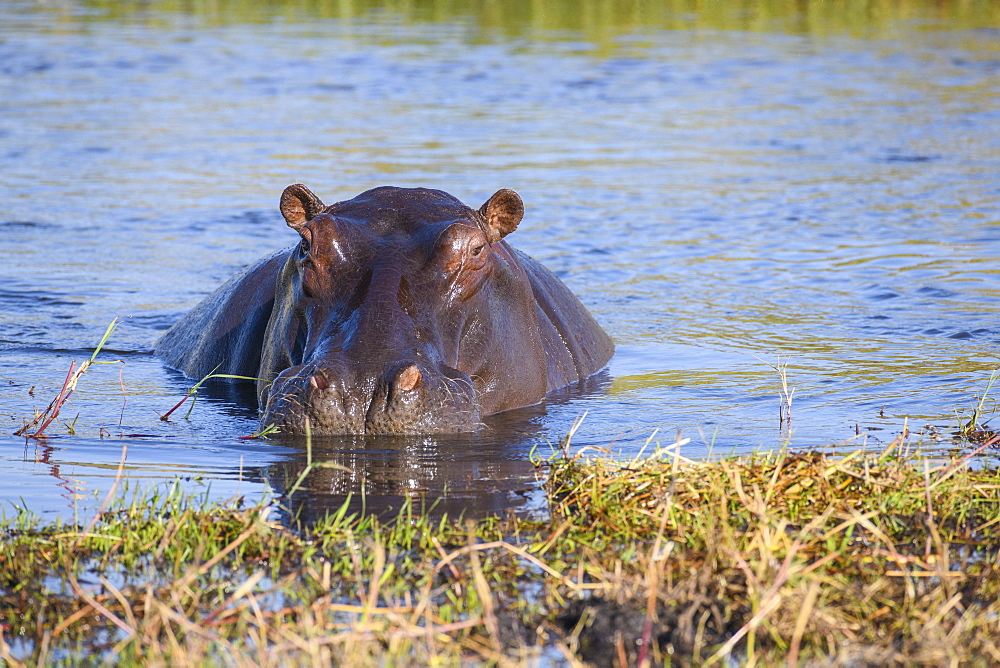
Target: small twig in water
785, 407
121, 382
46, 417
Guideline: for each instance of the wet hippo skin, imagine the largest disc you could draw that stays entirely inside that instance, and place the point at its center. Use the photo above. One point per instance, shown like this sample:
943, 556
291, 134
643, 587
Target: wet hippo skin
401, 311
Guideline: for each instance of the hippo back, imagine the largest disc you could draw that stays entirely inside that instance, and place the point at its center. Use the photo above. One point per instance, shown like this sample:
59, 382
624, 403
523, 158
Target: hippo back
225, 332
575, 345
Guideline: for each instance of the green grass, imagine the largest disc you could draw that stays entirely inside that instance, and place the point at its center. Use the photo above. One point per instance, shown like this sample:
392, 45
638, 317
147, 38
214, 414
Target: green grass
975, 428
771, 558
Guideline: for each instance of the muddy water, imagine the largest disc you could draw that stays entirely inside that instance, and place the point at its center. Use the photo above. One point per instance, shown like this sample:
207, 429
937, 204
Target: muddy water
725, 189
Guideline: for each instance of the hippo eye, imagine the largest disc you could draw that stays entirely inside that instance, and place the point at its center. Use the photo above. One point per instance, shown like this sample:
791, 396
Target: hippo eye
478, 250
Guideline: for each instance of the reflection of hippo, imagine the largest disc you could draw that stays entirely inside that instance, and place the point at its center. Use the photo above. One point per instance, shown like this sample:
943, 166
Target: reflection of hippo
470, 475
401, 311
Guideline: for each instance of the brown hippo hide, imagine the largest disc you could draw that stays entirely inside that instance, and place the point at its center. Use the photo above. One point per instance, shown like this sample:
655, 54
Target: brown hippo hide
401, 311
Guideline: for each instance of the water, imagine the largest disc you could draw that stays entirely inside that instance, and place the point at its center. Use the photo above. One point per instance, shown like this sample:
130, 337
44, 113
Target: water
723, 188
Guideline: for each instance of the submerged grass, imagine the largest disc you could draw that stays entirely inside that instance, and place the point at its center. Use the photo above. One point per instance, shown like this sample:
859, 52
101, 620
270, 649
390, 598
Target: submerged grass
791, 557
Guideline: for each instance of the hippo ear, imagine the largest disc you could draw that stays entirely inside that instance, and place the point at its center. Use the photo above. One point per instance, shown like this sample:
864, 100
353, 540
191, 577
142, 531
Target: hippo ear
299, 205
502, 212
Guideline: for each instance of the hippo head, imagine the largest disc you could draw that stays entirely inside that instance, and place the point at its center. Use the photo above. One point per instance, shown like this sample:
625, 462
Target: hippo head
394, 314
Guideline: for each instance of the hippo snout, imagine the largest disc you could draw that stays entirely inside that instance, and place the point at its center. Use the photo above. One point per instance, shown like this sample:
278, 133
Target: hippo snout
411, 398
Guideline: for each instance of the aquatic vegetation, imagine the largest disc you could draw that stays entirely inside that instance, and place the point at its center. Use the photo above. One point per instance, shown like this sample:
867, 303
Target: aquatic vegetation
41, 421
871, 557
975, 429
192, 394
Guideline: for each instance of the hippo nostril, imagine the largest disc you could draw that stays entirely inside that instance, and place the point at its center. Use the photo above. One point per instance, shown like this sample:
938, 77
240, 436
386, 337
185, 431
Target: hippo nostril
318, 382
408, 379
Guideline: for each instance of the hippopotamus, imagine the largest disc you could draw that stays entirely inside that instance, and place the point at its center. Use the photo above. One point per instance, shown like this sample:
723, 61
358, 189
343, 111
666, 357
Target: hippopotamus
400, 311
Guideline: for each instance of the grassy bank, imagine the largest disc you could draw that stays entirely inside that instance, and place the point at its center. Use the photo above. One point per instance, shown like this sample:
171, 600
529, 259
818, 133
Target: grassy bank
791, 557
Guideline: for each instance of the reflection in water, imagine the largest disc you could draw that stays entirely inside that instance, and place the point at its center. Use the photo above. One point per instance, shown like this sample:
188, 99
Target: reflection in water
471, 475
485, 473
599, 21
44, 455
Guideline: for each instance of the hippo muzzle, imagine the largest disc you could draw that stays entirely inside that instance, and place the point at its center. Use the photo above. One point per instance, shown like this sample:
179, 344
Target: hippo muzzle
413, 399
